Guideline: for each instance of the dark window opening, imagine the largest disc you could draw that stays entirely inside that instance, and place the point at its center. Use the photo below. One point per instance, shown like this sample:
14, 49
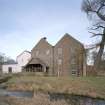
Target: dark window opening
47, 69
34, 68
74, 72
10, 69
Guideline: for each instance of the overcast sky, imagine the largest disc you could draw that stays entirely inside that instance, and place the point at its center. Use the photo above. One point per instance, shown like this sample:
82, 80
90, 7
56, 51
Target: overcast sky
24, 22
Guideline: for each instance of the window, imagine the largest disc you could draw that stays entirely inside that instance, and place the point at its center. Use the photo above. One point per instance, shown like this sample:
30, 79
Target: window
59, 61
74, 72
73, 59
47, 52
72, 50
9, 69
22, 60
37, 53
103, 56
73, 66
22, 67
59, 50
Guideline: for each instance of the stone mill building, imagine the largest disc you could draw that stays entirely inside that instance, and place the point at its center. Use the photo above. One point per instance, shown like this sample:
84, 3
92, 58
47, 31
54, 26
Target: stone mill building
64, 59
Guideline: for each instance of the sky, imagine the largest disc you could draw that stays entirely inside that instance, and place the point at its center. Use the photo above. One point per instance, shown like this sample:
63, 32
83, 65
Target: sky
24, 22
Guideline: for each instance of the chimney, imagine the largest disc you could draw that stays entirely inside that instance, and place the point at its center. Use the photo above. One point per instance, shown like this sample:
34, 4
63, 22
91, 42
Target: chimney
44, 38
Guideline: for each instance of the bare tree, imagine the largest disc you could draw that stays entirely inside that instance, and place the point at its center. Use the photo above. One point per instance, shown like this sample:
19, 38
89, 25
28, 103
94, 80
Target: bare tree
1, 58
95, 10
5, 60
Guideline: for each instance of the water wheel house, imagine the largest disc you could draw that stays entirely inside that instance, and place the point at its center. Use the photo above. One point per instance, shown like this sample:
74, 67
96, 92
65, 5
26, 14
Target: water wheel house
36, 65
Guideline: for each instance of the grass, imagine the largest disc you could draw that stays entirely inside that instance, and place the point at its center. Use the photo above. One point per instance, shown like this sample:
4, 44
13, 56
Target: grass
86, 86
4, 78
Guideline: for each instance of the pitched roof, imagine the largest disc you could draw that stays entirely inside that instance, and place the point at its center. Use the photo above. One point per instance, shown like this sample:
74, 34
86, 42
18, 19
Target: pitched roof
40, 41
10, 63
36, 61
23, 52
66, 35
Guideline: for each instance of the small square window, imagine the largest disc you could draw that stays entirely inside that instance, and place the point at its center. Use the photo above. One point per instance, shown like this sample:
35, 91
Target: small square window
72, 50
59, 50
22, 60
59, 61
37, 53
103, 56
47, 52
73, 61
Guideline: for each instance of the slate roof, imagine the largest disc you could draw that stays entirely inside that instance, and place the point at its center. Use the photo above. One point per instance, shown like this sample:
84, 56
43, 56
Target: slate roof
36, 61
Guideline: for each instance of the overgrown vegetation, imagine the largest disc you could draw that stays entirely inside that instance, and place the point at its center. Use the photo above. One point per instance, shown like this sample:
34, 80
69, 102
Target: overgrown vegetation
86, 86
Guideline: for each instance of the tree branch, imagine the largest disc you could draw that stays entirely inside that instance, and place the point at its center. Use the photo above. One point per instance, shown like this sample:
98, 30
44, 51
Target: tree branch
95, 34
102, 17
97, 27
100, 8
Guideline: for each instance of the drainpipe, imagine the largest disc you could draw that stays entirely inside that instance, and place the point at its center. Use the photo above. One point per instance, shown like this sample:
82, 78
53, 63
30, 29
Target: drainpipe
84, 63
44, 68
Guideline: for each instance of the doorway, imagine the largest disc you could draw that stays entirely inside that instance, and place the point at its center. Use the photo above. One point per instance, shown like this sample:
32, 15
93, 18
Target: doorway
9, 69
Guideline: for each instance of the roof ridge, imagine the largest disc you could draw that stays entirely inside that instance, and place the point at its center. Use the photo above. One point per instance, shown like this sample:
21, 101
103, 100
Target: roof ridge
68, 35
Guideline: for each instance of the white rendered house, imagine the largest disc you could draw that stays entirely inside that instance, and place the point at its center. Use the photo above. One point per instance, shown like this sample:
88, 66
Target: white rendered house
21, 61
9, 68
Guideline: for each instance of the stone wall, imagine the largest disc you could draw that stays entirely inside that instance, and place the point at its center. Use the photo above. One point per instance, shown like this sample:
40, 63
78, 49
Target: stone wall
65, 58
44, 51
68, 57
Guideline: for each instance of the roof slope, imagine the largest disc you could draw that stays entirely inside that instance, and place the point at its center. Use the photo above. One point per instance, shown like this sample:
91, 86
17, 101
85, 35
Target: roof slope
66, 35
23, 53
35, 61
41, 42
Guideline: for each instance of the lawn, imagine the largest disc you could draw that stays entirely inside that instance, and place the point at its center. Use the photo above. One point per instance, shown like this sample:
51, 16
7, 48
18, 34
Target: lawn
86, 86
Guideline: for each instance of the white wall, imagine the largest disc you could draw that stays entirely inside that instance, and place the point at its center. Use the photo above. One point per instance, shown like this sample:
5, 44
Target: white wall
5, 68
22, 60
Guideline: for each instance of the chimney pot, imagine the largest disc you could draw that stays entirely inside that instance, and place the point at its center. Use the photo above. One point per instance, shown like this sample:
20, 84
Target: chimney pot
44, 38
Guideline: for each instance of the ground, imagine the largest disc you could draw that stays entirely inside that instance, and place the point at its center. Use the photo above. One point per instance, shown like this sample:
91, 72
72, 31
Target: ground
86, 86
